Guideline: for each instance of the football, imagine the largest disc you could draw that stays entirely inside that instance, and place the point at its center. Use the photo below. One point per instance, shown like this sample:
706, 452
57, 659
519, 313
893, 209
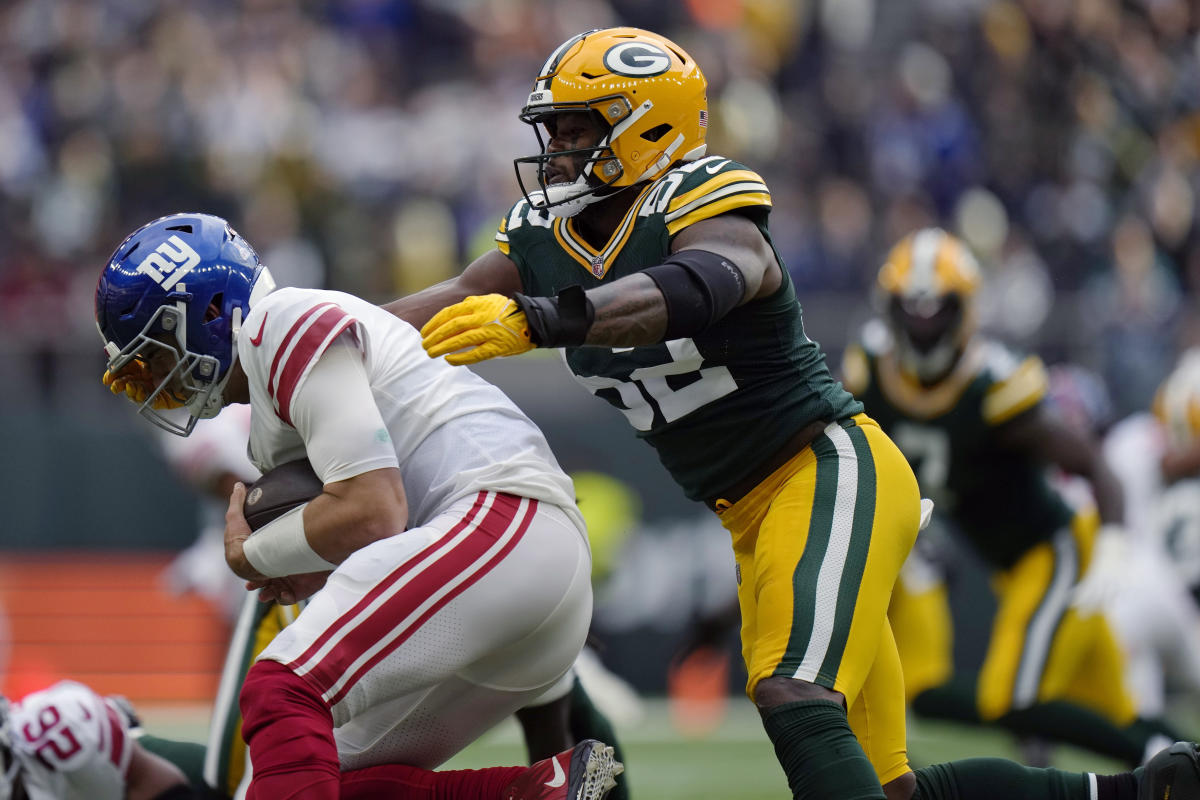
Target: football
280, 490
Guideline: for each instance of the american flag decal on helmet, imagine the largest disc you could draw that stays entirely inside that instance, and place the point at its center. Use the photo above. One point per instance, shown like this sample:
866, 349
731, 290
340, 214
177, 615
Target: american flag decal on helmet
703, 118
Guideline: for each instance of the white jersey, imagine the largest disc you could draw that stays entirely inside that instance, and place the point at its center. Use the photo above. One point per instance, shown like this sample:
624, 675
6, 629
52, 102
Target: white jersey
1133, 449
452, 433
71, 743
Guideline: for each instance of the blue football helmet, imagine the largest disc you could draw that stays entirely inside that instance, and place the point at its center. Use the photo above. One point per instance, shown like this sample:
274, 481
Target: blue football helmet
173, 297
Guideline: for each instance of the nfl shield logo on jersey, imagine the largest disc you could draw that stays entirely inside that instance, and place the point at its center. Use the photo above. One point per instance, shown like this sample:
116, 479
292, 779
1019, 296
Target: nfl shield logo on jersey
598, 266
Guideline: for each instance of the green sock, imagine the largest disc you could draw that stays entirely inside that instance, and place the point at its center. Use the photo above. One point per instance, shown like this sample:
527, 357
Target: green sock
998, 779
587, 722
188, 756
954, 700
819, 754
1067, 722
1056, 720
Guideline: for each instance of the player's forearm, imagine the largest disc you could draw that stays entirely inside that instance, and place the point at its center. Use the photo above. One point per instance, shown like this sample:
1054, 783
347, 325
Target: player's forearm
629, 312
417, 309
354, 513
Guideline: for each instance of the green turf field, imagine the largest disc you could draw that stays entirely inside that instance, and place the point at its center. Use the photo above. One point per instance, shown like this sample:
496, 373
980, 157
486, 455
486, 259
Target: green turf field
735, 762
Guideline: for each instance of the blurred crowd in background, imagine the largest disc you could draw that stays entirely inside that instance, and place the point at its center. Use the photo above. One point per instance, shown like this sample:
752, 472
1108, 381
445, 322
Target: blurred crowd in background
366, 145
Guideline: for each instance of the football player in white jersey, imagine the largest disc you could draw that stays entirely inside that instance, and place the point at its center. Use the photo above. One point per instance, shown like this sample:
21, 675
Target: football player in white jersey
1153, 615
446, 561
69, 743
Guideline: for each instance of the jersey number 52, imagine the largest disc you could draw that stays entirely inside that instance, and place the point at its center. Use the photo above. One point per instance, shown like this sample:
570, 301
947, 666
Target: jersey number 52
646, 393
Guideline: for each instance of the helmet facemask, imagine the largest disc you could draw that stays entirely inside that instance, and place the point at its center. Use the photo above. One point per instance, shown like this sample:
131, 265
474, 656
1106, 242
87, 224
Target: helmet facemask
597, 167
194, 381
928, 332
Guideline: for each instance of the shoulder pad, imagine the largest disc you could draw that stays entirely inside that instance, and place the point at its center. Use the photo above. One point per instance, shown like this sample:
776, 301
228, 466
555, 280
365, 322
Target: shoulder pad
1016, 383
289, 330
704, 189
522, 213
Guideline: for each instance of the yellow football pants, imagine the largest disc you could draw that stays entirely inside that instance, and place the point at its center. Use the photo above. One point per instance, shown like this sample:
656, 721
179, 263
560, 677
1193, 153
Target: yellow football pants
818, 545
924, 630
1043, 649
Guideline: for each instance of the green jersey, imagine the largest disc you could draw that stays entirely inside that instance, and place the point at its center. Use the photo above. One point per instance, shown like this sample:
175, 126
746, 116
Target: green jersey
1000, 499
715, 405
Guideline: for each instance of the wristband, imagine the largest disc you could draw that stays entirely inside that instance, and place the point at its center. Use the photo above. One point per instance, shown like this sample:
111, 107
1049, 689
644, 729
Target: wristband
561, 321
280, 548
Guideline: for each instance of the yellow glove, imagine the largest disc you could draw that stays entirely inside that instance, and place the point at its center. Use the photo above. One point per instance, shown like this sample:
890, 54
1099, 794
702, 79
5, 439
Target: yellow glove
490, 325
135, 382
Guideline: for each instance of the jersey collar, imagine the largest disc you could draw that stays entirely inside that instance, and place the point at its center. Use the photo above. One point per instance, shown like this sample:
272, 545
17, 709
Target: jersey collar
597, 262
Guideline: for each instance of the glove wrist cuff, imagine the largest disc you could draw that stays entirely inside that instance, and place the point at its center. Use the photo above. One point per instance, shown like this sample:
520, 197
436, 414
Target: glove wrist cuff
561, 321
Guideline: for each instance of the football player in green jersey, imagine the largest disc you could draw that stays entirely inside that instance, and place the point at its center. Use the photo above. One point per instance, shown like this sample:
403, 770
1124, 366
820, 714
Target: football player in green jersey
968, 414
650, 262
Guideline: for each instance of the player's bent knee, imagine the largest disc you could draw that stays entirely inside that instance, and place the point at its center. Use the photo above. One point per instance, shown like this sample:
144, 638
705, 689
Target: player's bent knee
776, 690
272, 693
289, 730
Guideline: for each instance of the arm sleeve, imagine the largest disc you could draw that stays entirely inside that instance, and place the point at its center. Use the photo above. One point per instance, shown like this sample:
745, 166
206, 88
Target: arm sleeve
335, 413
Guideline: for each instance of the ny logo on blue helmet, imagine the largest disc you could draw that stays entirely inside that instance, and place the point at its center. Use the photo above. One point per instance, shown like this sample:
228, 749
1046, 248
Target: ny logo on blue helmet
170, 304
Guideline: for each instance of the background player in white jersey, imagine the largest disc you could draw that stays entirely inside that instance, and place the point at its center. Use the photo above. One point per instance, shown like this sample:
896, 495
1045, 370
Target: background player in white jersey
69, 743
1155, 619
448, 560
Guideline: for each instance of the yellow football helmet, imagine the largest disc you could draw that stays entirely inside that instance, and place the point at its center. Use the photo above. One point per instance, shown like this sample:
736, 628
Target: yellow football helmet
928, 283
645, 88
1177, 402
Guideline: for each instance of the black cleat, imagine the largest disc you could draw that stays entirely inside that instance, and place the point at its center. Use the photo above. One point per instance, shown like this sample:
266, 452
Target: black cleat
1173, 774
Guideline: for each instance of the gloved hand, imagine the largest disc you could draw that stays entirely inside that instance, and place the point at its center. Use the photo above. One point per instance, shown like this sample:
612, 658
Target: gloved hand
135, 382
491, 325
1106, 572
926, 513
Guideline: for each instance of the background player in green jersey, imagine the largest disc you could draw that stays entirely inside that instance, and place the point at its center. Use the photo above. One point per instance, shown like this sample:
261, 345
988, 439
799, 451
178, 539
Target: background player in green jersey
652, 265
969, 416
